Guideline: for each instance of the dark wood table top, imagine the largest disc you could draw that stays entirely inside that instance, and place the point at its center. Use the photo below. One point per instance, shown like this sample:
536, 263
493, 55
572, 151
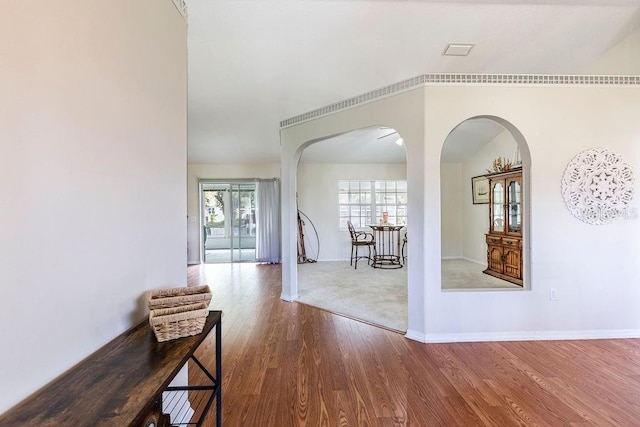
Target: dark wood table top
117, 385
390, 227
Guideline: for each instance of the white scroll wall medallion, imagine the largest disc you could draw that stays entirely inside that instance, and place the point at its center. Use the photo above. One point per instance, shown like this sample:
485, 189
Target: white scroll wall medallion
597, 186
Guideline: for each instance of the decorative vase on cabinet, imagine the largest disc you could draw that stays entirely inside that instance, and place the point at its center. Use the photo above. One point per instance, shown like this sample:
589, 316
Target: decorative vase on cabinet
504, 239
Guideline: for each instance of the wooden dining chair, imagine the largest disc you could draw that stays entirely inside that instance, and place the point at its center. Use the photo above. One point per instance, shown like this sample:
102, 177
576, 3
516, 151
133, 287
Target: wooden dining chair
358, 239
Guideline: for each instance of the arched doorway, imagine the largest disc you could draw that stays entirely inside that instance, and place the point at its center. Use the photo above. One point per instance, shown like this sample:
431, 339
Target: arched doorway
466, 162
354, 176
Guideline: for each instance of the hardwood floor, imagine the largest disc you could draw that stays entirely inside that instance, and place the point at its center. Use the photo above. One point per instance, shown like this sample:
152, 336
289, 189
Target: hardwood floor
287, 364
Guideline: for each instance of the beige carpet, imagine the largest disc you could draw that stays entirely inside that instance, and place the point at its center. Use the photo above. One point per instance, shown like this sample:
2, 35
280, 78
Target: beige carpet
373, 295
379, 296
463, 274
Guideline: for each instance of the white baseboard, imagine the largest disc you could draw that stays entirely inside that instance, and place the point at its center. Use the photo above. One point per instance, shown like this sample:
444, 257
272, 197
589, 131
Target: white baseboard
527, 336
475, 261
288, 298
415, 335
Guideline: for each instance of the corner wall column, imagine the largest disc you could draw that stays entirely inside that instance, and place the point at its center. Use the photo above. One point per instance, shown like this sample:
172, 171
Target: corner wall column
289, 223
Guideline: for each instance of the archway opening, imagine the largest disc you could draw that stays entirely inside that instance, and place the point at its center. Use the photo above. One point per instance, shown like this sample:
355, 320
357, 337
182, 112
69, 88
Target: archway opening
356, 176
478, 210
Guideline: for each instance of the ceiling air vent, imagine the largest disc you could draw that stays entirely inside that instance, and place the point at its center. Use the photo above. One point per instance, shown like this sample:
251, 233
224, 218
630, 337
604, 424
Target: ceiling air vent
457, 49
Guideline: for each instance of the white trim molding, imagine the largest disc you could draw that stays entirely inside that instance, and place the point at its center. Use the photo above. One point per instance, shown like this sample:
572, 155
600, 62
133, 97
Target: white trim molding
530, 336
416, 336
435, 79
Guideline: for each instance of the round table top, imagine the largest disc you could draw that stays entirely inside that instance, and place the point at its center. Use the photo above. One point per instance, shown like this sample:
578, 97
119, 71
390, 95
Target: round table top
390, 226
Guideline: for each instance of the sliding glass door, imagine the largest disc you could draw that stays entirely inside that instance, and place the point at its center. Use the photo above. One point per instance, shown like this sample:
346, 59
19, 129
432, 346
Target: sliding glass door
228, 221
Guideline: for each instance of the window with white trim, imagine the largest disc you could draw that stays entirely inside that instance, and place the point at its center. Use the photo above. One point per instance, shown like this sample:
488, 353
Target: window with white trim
363, 202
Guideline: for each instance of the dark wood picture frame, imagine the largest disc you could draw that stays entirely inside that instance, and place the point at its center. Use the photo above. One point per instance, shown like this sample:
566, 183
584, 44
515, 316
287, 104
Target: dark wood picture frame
480, 189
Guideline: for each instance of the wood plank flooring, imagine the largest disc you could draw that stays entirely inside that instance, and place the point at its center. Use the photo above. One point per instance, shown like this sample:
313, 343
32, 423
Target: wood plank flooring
288, 364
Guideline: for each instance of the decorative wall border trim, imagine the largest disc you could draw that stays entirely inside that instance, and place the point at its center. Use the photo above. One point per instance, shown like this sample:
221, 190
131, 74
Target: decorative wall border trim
465, 79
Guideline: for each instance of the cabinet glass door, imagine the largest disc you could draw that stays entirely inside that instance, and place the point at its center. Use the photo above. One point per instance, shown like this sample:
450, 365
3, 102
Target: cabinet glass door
497, 208
514, 206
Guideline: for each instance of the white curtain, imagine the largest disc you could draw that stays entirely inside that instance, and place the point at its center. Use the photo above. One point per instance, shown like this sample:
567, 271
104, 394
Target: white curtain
268, 220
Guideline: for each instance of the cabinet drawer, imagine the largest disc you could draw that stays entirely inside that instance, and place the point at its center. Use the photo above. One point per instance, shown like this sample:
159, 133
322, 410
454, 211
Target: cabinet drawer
492, 240
514, 243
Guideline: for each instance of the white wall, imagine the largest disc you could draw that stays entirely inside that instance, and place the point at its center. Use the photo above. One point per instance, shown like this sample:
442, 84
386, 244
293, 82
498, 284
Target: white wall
596, 278
592, 268
92, 177
195, 173
403, 112
452, 207
318, 199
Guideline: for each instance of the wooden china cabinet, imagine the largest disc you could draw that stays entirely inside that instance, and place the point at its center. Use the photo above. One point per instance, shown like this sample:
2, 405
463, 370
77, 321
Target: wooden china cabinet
504, 239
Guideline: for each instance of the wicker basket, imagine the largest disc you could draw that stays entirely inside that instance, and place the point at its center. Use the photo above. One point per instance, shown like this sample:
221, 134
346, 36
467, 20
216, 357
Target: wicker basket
177, 322
176, 297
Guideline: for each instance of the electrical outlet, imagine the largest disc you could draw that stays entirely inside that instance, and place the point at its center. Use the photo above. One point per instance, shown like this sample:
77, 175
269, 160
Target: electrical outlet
553, 294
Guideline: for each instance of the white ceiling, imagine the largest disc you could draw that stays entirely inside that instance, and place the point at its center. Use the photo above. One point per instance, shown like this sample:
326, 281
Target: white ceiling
468, 137
371, 145
253, 63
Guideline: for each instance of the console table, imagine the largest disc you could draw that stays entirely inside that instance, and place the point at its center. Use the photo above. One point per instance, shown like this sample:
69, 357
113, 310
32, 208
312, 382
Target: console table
122, 383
